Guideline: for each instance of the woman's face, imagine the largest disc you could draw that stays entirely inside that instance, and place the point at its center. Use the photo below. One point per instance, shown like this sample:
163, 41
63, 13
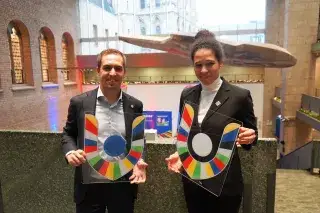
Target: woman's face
206, 66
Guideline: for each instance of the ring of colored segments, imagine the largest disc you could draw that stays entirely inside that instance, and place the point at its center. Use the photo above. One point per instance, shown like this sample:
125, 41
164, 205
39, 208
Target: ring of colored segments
113, 170
198, 170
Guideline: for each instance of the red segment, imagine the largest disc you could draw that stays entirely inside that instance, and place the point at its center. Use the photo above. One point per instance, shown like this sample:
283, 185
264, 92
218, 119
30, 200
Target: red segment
104, 167
187, 161
219, 163
88, 149
135, 154
182, 138
186, 117
91, 128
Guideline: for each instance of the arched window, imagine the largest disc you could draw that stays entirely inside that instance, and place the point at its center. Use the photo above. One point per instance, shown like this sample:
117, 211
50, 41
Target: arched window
143, 31
20, 54
158, 2
16, 56
47, 56
178, 24
43, 41
158, 29
142, 4
157, 23
68, 57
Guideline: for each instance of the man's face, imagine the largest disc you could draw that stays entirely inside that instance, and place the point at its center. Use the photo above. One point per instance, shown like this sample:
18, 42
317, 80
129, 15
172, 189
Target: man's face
111, 71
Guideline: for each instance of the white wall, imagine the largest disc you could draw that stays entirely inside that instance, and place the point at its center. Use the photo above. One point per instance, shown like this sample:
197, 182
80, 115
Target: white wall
166, 98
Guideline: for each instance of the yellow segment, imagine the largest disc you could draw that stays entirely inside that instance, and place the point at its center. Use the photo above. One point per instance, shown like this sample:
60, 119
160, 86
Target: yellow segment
191, 167
127, 163
109, 173
92, 119
230, 127
190, 110
137, 121
209, 170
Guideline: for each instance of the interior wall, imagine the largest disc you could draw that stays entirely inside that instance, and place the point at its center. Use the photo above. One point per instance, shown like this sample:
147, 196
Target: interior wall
166, 98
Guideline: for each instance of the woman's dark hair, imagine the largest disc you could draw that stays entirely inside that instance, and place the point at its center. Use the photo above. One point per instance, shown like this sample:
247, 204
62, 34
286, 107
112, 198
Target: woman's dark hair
205, 33
205, 39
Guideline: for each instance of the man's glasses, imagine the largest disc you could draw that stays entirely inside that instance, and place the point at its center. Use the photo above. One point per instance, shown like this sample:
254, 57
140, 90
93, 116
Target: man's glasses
108, 68
208, 65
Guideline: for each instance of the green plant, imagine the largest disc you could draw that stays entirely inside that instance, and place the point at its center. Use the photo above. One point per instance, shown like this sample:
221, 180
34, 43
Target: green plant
310, 113
277, 99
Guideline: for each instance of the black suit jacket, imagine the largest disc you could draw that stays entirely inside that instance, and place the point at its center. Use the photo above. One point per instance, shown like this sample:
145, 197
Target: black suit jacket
236, 103
73, 132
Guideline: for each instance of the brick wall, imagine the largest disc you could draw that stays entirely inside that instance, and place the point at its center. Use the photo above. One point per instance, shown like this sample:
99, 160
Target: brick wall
293, 25
37, 108
274, 35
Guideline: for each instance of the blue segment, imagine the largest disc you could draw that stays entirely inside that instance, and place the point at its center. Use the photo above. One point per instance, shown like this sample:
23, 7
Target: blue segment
138, 129
114, 145
230, 136
132, 159
215, 169
89, 142
183, 132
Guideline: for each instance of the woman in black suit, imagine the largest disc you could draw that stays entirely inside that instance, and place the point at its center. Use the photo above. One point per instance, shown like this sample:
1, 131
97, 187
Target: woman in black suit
215, 95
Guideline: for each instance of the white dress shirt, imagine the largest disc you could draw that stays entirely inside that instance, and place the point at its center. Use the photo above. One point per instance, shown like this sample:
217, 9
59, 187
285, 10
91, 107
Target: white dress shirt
208, 93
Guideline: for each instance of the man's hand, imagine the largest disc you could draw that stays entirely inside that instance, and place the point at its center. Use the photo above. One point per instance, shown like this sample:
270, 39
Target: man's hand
76, 158
139, 172
174, 163
246, 136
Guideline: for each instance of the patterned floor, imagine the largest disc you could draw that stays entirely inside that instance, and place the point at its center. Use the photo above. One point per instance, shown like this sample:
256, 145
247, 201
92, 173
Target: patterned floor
297, 192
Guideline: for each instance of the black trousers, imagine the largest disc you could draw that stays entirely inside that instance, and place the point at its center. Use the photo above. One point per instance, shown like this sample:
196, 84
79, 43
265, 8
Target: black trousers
115, 197
200, 200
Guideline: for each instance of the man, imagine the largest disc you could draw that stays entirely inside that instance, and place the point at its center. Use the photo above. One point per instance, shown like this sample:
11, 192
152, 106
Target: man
110, 105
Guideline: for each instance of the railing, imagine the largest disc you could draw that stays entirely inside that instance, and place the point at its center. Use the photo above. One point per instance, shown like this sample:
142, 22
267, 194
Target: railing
300, 158
92, 78
309, 112
310, 104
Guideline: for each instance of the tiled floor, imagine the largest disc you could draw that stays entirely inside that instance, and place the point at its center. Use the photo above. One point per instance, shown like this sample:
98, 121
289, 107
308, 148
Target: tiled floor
297, 192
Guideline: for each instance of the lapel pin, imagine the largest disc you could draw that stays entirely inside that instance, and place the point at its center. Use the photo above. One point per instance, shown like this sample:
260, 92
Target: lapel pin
131, 106
218, 103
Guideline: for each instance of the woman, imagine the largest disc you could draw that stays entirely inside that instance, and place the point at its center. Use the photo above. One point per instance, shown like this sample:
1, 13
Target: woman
215, 94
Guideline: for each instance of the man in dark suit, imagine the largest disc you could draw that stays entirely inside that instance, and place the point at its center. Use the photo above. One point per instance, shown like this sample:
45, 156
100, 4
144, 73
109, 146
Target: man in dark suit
109, 104
215, 101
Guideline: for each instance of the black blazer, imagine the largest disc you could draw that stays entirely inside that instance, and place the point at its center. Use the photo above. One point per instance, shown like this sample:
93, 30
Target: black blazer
73, 132
236, 103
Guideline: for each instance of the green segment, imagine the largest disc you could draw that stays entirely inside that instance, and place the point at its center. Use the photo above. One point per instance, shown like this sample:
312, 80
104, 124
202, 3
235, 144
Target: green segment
137, 148
182, 150
223, 158
116, 170
197, 170
94, 160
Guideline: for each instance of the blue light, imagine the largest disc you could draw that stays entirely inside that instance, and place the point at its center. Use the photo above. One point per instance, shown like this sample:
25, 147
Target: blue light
53, 113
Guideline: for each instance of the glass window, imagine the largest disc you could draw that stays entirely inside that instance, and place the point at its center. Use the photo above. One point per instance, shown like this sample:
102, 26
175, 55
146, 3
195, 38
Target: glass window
158, 30
96, 2
44, 57
158, 2
16, 56
142, 4
143, 31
